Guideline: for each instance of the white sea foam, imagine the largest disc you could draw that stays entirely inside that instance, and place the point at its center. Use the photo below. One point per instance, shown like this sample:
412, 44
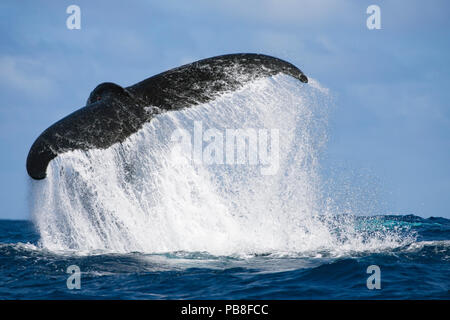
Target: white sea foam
145, 195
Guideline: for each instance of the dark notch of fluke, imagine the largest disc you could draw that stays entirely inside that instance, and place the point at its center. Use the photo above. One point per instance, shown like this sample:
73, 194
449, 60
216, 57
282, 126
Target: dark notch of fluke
113, 113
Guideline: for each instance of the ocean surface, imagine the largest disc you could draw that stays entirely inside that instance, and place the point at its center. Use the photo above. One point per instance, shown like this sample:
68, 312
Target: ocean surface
181, 210
416, 269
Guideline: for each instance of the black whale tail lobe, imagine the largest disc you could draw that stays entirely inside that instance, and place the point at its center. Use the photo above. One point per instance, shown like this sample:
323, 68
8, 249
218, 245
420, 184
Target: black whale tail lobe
112, 113
107, 89
38, 158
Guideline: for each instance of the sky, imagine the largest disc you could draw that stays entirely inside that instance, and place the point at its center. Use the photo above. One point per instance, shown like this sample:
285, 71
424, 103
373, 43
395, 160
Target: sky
389, 126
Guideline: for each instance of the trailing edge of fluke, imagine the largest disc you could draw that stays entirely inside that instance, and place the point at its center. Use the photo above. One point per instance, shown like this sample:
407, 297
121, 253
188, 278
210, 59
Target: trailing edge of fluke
113, 113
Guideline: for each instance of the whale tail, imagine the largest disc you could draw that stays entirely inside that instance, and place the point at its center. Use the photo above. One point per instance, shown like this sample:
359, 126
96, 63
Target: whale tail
112, 113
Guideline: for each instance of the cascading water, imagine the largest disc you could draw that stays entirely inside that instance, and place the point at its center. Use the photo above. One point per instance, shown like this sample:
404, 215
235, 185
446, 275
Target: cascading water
148, 194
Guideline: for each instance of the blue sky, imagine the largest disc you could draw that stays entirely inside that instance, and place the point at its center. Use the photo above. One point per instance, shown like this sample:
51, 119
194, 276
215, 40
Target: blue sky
389, 127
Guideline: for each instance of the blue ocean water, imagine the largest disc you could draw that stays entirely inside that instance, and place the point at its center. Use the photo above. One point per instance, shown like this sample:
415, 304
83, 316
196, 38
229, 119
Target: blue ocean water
144, 220
418, 268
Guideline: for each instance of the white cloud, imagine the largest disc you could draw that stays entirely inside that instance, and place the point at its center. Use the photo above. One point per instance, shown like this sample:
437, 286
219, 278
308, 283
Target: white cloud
24, 75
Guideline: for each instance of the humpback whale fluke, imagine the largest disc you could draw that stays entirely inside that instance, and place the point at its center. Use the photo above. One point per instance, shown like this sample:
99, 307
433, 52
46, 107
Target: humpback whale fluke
112, 113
